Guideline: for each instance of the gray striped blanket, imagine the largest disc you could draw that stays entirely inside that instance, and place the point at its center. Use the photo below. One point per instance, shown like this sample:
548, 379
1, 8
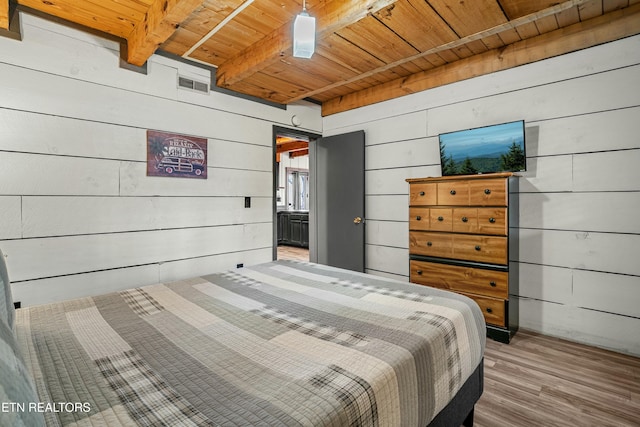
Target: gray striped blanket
282, 343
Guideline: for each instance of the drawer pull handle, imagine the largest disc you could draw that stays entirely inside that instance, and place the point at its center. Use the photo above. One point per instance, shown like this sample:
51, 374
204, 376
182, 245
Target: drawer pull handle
489, 310
452, 192
429, 243
492, 284
465, 219
492, 220
422, 193
440, 218
419, 272
487, 191
478, 247
418, 218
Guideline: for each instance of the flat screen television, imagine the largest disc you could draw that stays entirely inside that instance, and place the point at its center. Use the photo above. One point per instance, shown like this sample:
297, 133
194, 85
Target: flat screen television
496, 148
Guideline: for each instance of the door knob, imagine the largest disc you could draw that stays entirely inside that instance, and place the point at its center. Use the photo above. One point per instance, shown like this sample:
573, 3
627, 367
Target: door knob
357, 220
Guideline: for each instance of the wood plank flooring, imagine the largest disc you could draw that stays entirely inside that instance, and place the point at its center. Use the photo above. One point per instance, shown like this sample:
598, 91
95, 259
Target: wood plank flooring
542, 381
293, 252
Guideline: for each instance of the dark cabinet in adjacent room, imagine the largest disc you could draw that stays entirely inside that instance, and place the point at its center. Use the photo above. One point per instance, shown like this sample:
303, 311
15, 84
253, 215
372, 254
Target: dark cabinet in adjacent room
293, 228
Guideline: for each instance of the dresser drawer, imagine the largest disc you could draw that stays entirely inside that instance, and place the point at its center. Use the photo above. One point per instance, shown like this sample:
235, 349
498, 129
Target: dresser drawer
431, 244
419, 218
494, 309
454, 193
468, 247
441, 219
480, 220
422, 194
489, 249
477, 281
488, 192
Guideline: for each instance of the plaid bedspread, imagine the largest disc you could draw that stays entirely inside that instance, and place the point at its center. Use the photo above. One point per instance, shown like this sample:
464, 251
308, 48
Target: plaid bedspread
282, 343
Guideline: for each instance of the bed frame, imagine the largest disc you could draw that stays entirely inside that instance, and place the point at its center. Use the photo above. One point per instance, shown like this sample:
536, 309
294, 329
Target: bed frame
461, 408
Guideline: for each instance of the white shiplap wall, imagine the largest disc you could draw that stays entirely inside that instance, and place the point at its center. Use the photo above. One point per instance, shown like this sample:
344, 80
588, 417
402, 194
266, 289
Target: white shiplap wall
78, 215
579, 251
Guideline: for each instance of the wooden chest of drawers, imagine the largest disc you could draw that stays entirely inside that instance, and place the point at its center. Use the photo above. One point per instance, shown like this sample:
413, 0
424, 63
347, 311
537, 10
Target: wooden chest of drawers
460, 231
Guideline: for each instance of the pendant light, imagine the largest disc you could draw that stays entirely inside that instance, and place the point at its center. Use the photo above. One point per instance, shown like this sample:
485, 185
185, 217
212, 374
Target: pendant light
304, 34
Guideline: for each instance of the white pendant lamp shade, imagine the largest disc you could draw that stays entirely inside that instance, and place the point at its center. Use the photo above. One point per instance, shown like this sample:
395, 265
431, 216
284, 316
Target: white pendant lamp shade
304, 35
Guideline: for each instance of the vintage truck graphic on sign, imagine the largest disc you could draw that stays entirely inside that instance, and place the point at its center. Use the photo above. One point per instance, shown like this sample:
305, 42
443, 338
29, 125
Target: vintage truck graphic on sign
176, 155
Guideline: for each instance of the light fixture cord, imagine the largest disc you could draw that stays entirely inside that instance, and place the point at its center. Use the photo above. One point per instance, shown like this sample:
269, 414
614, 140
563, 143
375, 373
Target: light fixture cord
304, 5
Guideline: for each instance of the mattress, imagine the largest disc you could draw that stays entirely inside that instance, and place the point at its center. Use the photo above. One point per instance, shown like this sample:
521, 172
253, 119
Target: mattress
282, 343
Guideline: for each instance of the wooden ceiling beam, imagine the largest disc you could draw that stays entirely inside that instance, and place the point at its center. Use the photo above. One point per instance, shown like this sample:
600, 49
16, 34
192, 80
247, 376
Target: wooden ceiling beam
159, 23
331, 16
298, 153
609, 27
289, 146
4, 14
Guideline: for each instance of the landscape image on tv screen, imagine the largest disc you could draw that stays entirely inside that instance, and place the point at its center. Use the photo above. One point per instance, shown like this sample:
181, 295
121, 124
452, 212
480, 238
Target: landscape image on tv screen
497, 148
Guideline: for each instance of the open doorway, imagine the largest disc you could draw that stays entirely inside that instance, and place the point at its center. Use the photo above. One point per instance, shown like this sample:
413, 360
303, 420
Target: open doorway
291, 198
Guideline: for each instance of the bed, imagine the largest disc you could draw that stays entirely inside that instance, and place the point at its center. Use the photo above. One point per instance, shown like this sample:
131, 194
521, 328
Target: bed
281, 343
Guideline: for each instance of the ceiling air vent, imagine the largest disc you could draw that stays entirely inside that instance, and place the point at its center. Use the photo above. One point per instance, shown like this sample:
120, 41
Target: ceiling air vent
186, 83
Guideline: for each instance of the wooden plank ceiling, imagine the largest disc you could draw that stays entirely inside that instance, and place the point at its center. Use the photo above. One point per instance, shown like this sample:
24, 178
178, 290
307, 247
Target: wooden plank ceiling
367, 51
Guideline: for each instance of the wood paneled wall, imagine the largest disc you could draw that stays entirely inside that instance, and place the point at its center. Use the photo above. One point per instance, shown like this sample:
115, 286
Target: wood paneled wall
579, 199
78, 215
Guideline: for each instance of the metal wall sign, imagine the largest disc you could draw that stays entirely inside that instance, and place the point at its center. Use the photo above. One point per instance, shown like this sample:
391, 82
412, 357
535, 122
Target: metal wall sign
170, 154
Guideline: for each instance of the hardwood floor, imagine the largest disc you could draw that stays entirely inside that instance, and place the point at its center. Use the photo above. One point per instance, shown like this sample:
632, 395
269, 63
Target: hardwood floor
542, 381
292, 252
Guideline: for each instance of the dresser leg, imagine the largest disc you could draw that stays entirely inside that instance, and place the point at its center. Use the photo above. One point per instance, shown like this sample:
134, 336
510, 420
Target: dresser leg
499, 334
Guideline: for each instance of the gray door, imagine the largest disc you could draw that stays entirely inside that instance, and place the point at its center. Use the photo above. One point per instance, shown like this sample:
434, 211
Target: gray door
338, 181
